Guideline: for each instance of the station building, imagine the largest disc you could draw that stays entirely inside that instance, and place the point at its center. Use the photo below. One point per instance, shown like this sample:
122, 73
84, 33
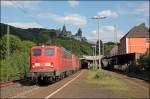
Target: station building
135, 41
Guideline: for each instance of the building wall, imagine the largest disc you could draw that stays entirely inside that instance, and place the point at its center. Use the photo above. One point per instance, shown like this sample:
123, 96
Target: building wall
122, 46
137, 45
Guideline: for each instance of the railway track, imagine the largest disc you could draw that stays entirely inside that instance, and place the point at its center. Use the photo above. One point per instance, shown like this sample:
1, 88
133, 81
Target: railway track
21, 88
13, 88
4, 84
8, 83
131, 75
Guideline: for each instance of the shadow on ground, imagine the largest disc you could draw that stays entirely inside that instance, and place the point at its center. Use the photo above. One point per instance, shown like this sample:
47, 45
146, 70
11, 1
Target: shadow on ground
28, 82
25, 82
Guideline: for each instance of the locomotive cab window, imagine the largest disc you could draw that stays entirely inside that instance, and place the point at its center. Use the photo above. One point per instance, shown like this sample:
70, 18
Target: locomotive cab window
49, 52
36, 52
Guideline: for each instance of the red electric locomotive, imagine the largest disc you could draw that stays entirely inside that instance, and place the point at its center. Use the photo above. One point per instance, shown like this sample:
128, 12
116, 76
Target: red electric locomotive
51, 62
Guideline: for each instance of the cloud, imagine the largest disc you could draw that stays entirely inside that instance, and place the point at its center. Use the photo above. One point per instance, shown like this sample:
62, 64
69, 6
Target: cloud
72, 19
25, 25
73, 3
105, 29
23, 4
108, 29
107, 13
106, 34
134, 9
6, 3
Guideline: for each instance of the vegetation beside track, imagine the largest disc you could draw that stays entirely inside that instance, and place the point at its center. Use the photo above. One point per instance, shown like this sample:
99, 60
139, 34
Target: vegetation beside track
145, 60
16, 65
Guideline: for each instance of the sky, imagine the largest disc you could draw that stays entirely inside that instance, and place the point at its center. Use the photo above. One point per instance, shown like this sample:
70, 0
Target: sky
123, 15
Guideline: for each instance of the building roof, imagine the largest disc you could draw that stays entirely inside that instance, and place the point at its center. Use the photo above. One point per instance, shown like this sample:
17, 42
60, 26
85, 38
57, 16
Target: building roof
138, 31
92, 57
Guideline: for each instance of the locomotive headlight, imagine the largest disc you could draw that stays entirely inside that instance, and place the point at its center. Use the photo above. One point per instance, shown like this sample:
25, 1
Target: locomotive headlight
52, 65
47, 64
36, 64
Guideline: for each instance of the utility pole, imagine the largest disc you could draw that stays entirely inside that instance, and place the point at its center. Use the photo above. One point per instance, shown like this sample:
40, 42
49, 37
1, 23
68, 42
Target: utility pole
99, 46
7, 45
98, 20
95, 57
115, 41
115, 35
103, 48
94, 54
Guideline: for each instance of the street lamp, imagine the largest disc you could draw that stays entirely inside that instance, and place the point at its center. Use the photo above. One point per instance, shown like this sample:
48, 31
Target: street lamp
98, 20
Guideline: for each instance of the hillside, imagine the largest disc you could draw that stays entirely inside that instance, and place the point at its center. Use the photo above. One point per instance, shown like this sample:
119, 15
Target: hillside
37, 35
104, 46
48, 36
108, 47
77, 47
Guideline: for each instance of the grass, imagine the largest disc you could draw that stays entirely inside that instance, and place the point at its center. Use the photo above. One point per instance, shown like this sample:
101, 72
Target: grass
106, 81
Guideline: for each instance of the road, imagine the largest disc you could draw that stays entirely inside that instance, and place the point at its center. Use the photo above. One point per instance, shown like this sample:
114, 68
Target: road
74, 86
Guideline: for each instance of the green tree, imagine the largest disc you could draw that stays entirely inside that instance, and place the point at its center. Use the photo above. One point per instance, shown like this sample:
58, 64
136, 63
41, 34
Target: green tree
17, 65
14, 44
145, 60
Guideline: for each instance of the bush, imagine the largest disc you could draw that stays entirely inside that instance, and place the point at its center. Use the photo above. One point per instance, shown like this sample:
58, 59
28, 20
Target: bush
14, 44
145, 60
16, 65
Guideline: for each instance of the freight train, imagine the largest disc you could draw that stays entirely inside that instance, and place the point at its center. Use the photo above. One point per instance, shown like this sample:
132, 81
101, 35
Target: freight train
50, 62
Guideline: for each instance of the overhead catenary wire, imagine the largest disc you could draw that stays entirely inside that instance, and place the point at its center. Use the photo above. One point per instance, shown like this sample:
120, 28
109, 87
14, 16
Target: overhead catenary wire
26, 12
